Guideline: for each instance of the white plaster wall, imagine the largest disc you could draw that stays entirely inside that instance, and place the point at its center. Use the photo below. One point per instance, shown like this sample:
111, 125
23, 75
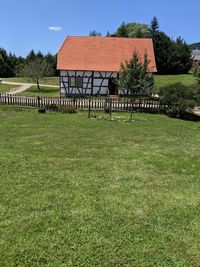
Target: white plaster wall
96, 82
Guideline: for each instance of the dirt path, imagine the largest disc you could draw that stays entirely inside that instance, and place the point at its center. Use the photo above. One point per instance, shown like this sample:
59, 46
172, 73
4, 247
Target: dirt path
24, 86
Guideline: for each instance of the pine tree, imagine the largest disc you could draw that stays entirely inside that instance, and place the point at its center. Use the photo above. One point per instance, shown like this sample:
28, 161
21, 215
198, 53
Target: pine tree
134, 77
154, 27
95, 33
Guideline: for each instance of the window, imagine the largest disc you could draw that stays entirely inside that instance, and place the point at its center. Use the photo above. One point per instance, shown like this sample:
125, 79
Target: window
72, 81
79, 82
76, 82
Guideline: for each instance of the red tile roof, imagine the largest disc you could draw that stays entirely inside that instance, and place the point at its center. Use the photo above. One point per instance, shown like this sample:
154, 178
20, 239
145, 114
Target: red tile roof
102, 53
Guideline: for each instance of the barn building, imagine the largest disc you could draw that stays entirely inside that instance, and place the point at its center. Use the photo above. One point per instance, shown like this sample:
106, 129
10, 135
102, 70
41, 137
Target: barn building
90, 65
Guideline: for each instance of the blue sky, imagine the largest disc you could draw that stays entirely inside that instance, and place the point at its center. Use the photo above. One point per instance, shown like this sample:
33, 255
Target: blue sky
24, 24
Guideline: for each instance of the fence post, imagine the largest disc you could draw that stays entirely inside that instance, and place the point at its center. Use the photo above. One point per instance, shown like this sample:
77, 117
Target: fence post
89, 107
38, 101
110, 107
131, 117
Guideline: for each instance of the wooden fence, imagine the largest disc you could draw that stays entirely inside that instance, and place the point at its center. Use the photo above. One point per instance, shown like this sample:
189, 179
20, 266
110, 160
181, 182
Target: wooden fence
119, 104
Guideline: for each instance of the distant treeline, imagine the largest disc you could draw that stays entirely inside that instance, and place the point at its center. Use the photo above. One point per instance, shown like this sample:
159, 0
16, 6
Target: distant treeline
172, 56
10, 64
195, 46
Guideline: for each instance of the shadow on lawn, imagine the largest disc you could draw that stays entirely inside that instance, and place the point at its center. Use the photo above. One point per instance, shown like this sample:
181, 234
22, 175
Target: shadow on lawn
187, 116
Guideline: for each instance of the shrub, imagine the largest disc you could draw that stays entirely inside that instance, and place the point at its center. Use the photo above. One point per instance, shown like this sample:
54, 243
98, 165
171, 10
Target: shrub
52, 107
68, 109
180, 98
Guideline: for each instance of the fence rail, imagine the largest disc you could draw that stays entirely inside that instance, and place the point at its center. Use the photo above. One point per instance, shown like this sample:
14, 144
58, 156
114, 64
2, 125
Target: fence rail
119, 104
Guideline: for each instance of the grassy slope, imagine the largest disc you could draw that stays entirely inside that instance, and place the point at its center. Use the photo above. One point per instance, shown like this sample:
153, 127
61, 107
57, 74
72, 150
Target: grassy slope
45, 91
79, 192
6, 87
164, 80
48, 80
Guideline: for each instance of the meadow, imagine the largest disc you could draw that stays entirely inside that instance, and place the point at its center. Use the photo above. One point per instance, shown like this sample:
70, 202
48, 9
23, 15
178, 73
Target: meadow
87, 192
45, 91
45, 81
7, 87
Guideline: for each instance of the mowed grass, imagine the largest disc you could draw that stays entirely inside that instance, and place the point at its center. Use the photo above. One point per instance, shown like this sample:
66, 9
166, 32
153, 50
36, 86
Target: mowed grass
7, 87
45, 81
45, 91
165, 80
86, 192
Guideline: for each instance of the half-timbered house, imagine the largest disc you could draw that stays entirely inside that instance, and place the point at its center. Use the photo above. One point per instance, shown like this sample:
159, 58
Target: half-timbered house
90, 65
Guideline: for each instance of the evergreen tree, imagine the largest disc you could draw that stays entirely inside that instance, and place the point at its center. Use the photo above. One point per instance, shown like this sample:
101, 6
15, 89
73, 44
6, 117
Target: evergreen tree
154, 26
95, 33
182, 61
31, 56
134, 76
122, 31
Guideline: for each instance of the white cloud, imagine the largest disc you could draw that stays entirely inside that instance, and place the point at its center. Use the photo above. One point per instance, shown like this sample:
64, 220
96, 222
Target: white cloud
55, 28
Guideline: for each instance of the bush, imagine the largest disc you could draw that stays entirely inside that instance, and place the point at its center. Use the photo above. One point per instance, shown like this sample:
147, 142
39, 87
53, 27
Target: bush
68, 109
180, 98
52, 107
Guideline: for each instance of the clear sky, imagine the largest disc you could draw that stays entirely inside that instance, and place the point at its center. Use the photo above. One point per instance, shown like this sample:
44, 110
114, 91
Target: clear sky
44, 24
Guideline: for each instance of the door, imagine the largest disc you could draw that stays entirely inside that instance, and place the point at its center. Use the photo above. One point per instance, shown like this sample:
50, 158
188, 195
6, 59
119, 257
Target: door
112, 87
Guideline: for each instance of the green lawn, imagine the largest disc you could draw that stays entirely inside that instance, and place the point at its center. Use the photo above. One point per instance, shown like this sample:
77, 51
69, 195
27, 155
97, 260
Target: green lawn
48, 80
164, 80
45, 91
80, 192
6, 87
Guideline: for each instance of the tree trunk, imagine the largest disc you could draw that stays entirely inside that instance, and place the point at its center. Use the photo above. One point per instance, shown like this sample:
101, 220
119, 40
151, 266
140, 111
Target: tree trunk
38, 86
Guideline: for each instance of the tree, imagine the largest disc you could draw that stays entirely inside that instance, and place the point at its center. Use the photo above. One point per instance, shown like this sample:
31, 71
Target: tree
95, 33
154, 26
172, 57
122, 31
182, 60
134, 76
31, 56
164, 52
133, 30
180, 98
36, 69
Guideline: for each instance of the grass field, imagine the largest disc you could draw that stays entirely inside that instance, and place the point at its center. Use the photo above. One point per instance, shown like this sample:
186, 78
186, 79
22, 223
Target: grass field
45, 91
164, 80
47, 80
6, 87
80, 192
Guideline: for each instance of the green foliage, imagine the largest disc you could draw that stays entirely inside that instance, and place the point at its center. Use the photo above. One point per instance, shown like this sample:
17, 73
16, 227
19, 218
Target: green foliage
134, 77
196, 71
133, 30
163, 49
67, 109
95, 33
172, 57
180, 97
36, 69
181, 61
8, 63
154, 26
